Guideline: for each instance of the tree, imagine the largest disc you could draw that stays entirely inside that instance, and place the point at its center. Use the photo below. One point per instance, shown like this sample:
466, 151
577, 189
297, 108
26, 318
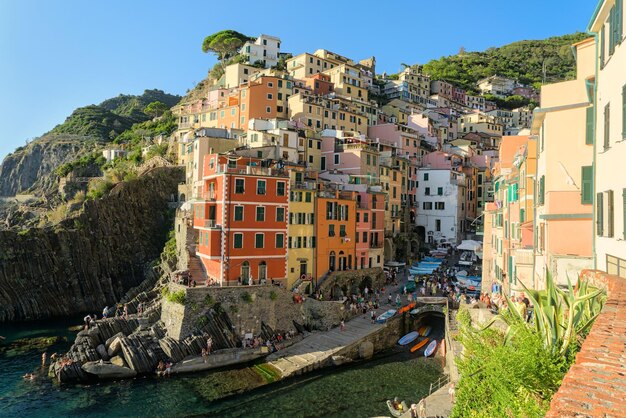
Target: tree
155, 109
224, 44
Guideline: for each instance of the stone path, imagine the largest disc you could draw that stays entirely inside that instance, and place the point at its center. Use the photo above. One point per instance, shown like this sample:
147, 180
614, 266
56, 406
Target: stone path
318, 347
437, 404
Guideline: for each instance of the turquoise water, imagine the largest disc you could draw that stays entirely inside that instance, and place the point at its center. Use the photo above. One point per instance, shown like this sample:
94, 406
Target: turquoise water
357, 390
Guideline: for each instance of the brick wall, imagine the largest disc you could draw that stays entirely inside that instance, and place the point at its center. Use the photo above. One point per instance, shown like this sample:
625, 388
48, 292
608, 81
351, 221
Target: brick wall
595, 385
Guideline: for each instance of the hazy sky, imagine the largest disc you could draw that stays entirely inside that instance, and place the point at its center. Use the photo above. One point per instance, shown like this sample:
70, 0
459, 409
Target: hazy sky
56, 56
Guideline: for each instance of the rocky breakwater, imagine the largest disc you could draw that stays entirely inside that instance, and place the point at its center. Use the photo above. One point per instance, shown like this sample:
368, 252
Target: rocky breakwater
88, 261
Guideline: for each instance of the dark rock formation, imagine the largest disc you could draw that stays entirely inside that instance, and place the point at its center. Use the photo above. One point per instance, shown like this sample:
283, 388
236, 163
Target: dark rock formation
91, 260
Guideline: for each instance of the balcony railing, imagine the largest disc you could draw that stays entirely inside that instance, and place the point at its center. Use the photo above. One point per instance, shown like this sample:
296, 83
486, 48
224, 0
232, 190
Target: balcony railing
207, 223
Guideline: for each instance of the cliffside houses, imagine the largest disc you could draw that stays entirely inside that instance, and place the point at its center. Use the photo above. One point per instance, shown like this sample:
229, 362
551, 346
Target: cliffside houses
297, 172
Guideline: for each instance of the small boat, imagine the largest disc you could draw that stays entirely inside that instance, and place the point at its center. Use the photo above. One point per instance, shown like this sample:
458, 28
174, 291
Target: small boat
408, 338
419, 345
406, 308
426, 331
421, 329
431, 348
397, 412
414, 311
385, 316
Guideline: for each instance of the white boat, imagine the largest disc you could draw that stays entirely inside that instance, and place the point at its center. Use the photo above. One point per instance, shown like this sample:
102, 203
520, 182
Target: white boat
431, 348
385, 316
408, 338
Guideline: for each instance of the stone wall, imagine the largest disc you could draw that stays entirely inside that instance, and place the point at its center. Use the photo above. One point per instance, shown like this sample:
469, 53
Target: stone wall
247, 307
348, 281
595, 384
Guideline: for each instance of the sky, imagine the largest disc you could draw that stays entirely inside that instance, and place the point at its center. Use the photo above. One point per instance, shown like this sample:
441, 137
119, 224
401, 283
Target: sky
56, 56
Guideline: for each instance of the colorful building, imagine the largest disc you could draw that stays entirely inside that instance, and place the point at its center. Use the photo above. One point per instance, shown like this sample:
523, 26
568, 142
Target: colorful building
242, 221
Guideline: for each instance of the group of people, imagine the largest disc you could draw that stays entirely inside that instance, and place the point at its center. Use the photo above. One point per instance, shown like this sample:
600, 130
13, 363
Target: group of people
118, 310
164, 368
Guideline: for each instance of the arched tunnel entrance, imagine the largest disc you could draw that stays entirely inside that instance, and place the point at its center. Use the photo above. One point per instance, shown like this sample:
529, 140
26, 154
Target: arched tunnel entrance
429, 316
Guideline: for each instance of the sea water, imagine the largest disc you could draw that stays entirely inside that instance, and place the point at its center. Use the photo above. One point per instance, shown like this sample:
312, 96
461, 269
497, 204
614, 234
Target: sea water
355, 390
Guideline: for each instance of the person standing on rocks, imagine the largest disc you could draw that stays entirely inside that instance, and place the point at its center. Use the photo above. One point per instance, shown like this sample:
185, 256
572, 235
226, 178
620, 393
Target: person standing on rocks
421, 412
342, 326
209, 345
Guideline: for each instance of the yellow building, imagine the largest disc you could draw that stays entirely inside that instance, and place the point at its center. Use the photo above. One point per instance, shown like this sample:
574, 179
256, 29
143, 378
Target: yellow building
479, 122
305, 65
301, 239
347, 81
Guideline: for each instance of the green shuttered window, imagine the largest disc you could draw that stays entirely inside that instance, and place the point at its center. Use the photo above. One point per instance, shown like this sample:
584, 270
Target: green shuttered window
542, 189
607, 126
586, 195
589, 126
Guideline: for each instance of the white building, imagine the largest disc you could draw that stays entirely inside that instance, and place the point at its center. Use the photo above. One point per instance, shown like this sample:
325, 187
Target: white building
113, 154
496, 85
610, 134
265, 48
440, 204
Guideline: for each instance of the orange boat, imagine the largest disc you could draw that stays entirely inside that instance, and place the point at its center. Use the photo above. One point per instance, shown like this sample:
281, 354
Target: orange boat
419, 345
406, 308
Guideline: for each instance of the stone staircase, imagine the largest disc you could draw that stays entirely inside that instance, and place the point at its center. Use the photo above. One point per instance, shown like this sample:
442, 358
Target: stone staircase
196, 269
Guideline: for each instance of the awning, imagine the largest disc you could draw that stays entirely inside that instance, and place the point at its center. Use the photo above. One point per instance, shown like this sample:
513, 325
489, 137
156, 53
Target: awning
470, 245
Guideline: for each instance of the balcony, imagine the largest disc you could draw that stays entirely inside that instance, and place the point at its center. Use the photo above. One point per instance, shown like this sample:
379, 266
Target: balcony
251, 170
207, 223
306, 185
524, 256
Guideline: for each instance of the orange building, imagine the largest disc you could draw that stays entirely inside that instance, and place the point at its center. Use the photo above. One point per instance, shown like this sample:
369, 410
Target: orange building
335, 231
242, 221
319, 84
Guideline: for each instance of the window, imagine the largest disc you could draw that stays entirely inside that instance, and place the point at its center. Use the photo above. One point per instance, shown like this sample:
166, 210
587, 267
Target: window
268, 109
260, 214
238, 213
440, 205
586, 194
280, 214
280, 240
280, 188
607, 126
440, 191
323, 163
331, 230
589, 126
438, 225
599, 214
336, 159
342, 230
542, 189
425, 176
260, 187
427, 192
427, 205
259, 240
364, 236
237, 240
239, 185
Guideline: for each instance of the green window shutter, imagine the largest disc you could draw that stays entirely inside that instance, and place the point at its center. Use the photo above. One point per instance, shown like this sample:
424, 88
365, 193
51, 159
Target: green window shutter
586, 195
609, 214
589, 126
522, 215
619, 20
542, 189
599, 214
602, 45
612, 31
624, 213
510, 269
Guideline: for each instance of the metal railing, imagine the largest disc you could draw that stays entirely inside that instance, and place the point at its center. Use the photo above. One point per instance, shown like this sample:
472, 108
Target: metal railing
438, 384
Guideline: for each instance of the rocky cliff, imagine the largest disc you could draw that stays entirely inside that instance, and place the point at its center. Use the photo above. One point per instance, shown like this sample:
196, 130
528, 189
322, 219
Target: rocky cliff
91, 260
33, 166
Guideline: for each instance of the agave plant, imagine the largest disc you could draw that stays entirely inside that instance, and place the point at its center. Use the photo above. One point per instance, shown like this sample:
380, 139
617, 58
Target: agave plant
559, 316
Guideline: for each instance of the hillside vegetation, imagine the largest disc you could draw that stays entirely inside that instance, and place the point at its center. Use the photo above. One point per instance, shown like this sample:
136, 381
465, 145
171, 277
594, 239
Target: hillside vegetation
113, 116
523, 61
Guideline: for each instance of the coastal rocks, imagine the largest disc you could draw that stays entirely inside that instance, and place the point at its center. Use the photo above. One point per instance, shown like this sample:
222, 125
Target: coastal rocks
102, 352
118, 361
89, 260
107, 371
115, 347
339, 360
366, 350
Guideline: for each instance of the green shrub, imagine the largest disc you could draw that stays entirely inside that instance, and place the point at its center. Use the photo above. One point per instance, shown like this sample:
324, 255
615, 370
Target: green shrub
273, 295
208, 300
177, 297
98, 188
246, 297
